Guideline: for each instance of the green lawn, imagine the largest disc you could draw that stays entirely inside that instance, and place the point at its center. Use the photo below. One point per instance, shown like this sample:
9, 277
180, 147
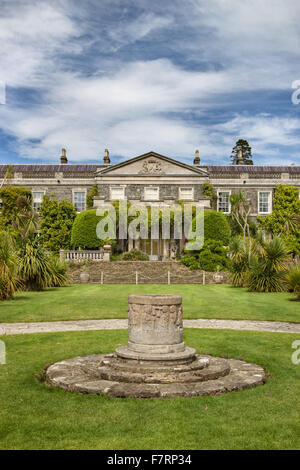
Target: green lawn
82, 302
34, 416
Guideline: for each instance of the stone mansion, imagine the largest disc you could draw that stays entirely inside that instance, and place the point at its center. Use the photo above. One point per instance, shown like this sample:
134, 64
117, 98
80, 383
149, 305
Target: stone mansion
154, 179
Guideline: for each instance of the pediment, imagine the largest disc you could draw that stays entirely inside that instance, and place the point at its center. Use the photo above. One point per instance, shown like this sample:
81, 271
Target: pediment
151, 164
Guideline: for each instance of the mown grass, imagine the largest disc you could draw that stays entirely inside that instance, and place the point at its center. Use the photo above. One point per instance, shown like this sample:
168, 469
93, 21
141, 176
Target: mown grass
83, 302
34, 416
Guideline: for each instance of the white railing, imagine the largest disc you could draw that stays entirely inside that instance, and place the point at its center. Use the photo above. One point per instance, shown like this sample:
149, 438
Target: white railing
78, 255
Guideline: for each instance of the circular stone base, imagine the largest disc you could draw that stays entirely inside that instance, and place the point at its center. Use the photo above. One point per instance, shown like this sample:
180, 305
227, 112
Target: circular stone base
148, 355
113, 376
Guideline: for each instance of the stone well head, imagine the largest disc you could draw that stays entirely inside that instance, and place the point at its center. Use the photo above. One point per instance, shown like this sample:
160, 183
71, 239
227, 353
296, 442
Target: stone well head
155, 319
155, 329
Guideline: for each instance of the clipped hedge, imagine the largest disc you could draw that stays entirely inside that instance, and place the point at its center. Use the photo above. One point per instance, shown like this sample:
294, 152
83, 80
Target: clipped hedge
216, 226
84, 231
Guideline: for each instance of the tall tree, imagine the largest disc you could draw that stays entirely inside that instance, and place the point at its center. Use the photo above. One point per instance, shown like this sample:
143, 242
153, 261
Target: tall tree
56, 223
244, 146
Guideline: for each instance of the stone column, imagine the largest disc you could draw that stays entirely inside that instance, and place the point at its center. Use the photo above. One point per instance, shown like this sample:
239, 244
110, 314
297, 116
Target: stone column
155, 329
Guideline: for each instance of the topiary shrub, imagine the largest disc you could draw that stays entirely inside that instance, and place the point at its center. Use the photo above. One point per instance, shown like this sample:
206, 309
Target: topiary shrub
84, 233
216, 227
134, 255
213, 256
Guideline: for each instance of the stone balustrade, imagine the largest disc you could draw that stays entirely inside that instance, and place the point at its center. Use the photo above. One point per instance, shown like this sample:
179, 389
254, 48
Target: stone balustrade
85, 255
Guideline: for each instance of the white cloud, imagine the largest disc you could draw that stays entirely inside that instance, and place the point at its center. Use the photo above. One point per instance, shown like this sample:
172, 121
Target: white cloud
146, 104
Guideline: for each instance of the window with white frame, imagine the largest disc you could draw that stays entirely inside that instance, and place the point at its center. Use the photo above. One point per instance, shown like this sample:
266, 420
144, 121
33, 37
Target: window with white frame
79, 200
37, 198
186, 194
264, 202
117, 193
151, 194
224, 201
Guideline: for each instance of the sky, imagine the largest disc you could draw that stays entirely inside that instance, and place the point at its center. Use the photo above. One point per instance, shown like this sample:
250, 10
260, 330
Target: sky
134, 76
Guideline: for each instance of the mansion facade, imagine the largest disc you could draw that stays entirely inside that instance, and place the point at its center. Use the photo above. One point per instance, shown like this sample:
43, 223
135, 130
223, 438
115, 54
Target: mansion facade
154, 179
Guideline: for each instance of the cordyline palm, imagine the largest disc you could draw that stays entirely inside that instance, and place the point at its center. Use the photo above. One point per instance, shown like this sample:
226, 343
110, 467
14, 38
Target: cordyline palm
239, 263
34, 266
26, 223
268, 267
9, 280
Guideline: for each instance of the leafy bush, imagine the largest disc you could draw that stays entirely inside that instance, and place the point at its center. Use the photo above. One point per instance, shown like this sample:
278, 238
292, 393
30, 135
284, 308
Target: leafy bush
293, 280
134, 255
216, 226
84, 233
9, 196
212, 257
286, 207
56, 223
190, 262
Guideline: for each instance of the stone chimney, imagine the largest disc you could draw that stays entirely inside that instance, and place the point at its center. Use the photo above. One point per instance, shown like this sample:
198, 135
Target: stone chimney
240, 158
106, 157
197, 158
63, 157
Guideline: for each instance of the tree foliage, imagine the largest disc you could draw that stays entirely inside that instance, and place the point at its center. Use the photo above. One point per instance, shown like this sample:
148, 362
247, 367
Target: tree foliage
284, 220
56, 223
208, 191
90, 195
243, 145
9, 196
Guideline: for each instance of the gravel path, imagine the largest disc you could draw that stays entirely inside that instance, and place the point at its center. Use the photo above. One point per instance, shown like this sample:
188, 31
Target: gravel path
115, 324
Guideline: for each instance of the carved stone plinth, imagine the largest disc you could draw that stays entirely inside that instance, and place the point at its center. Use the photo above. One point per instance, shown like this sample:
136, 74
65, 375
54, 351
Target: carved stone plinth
155, 329
155, 362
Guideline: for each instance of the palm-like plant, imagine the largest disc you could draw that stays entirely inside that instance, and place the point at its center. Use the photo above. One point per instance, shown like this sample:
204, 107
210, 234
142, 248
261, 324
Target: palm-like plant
34, 267
9, 280
239, 263
268, 267
293, 280
59, 276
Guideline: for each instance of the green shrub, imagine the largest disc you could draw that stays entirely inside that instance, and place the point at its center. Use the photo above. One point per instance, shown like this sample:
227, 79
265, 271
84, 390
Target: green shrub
56, 223
286, 206
216, 226
9, 196
84, 233
293, 280
213, 257
190, 262
134, 255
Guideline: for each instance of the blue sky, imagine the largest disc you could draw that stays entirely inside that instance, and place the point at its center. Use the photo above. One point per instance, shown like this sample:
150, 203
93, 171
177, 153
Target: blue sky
134, 76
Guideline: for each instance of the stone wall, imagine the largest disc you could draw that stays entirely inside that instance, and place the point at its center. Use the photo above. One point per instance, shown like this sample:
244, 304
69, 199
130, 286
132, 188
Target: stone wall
148, 272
